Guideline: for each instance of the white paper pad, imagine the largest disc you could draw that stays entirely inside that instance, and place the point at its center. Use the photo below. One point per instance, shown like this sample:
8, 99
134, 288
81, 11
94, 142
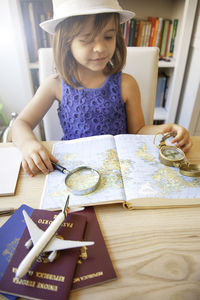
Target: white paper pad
10, 161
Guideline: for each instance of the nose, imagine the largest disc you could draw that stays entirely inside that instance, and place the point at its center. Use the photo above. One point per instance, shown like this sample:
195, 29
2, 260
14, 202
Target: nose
99, 46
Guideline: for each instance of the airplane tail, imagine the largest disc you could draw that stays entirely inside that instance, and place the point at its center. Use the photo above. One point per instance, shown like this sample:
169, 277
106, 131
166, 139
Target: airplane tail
67, 209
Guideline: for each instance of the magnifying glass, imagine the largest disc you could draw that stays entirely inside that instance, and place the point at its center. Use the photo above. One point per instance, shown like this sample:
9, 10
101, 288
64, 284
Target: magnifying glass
80, 181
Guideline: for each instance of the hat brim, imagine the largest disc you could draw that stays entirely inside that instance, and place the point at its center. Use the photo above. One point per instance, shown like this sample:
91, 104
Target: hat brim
50, 25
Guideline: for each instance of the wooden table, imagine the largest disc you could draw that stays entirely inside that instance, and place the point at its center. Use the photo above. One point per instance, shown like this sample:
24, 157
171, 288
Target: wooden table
156, 253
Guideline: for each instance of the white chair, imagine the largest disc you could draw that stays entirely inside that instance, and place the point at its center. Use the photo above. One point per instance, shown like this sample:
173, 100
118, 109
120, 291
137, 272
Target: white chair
141, 63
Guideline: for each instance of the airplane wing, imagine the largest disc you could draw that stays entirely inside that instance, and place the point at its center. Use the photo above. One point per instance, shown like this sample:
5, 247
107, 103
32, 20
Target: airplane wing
34, 231
55, 243
58, 244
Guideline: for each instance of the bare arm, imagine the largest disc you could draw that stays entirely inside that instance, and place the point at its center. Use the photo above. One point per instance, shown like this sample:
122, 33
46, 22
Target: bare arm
35, 157
135, 118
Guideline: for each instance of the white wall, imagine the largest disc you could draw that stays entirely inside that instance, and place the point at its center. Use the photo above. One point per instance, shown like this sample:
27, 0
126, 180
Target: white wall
189, 108
15, 86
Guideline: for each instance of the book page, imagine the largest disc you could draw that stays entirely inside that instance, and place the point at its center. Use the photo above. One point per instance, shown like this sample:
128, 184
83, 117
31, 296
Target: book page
10, 161
144, 176
98, 152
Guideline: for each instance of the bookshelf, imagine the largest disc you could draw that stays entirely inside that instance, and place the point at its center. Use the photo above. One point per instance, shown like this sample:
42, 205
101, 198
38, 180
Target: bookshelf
33, 12
183, 10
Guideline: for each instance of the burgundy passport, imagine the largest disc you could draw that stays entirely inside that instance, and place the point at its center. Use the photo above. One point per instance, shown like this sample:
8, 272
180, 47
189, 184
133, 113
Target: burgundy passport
94, 265
46, 280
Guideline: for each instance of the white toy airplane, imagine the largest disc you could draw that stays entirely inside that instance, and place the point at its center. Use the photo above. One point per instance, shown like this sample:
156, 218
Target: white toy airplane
46, 241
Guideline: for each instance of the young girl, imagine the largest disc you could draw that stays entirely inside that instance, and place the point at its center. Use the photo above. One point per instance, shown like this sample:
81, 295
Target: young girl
95, 96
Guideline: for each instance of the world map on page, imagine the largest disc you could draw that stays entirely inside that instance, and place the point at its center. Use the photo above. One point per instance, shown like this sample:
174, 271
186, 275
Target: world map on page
143, 175
100, 156
148, 177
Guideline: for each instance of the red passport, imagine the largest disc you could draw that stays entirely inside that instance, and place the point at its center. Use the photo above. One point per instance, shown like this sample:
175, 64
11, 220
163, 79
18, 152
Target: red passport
46, 280
94, 265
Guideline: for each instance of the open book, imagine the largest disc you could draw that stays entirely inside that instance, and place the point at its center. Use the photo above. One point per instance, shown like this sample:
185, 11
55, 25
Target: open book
131, 173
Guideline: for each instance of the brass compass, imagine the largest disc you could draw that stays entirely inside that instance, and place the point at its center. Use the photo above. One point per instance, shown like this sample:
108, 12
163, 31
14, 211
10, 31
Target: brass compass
174, 157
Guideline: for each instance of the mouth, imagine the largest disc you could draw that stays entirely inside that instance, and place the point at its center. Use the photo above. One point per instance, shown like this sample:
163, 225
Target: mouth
99, 59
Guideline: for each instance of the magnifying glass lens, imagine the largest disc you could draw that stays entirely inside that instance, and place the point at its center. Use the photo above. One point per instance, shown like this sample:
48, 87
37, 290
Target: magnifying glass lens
82, 181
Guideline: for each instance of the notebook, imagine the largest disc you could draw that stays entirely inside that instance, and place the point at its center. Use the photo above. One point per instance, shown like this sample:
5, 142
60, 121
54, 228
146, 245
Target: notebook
10, 161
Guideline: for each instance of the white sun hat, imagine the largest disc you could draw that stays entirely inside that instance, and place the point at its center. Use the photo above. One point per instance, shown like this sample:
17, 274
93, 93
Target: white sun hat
67, 8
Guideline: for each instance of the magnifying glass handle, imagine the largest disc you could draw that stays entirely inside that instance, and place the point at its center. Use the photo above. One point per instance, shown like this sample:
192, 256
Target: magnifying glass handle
59, 168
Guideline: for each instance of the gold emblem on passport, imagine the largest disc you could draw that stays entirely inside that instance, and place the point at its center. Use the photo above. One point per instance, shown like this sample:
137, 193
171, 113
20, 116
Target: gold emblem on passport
174, 157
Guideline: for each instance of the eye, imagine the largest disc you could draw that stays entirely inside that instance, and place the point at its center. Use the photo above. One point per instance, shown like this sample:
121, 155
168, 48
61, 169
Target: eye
86, 41
109, 37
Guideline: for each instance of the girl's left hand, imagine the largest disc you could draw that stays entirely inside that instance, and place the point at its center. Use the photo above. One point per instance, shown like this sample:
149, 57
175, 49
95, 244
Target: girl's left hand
181, 136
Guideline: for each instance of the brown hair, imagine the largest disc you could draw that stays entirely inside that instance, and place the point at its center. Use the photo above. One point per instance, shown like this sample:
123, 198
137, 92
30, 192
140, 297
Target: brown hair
67, 30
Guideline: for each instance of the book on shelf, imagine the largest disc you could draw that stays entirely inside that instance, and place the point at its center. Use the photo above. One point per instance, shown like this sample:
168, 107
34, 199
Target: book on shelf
155, 32
27, 30
136, 32
161, 90
141, 33
93, 266
173, 36
130, 170
159, 33
152, 20
164, 37
151, 32
45, 280
34, 31
169, 34
33, 13
147, 34
131, 32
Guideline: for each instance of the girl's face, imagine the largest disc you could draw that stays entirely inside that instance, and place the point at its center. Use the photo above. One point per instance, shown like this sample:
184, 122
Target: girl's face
94, 52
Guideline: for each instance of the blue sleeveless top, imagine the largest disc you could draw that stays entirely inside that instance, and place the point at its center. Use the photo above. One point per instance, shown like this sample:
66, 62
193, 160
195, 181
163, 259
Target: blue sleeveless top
87, 112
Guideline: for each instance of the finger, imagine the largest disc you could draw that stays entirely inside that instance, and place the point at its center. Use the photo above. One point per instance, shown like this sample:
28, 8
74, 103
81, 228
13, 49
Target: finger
177, 136
46, 157
53, 158
39, 164
187, 146
180, 141
33, 165
26, 168
181, 138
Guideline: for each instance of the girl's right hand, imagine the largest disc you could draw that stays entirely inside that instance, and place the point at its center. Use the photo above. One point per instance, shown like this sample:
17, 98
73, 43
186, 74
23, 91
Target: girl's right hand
36, 158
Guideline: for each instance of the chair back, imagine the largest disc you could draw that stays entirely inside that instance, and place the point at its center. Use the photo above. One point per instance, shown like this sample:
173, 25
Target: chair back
141, 63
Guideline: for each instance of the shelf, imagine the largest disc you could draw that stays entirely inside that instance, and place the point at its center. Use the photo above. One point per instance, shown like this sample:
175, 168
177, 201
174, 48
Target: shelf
166, 64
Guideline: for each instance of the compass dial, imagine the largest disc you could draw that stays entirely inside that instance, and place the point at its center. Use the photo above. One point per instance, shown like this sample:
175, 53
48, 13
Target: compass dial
172, 153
